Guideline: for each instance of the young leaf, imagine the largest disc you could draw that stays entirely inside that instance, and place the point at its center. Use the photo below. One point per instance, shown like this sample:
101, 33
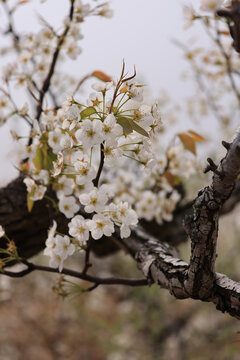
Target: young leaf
87, 112
101, 76
30, 202
124, 89
138, 129
170, 177
129, 125
125, 124
22, 2
188, 142
38, 159
196, 136
48, 161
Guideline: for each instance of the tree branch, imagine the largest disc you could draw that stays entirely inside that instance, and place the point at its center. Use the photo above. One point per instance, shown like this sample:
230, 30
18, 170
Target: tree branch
202, 226
47, 81
79, 275
159, 264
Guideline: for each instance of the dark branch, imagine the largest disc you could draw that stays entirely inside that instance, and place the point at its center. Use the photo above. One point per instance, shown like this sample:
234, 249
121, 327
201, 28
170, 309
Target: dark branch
233, 15
47, 81
96, 280
96, 180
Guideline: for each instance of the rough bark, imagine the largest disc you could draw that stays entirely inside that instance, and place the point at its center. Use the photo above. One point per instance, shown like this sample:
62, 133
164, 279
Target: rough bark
160, 265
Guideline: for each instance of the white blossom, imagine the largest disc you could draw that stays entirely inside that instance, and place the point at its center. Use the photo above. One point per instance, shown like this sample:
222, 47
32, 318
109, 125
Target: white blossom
67, 103
90, 133
2, 231
84, 188
81, 11
106, 11
49, 120
68, 206
146, 207
54, 138
71, 117
42, 176
57, 165
23, 111
63, 248
72, 48
56, 261
96, 100
102, 87
50, 242
36, 191
94, 201
125, 231
64, 186
66, 141
111, 130
126, 215
111, 154
85, 172
78, 228
100, 225
210, 5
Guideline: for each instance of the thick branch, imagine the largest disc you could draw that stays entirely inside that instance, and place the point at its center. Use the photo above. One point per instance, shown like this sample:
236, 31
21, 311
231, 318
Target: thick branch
159, 264
233, 15
202, 226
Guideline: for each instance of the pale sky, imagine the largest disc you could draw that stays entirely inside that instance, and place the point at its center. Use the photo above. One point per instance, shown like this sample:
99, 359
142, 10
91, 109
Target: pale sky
140, 32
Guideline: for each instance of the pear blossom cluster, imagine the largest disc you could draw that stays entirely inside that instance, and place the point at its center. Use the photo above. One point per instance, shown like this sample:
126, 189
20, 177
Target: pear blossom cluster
58, 248
102, 157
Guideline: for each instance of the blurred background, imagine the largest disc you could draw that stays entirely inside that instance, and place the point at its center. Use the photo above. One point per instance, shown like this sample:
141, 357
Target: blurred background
118, 323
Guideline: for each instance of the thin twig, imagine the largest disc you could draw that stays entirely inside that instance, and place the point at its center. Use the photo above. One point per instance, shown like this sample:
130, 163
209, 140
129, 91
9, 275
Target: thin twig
87, 263
96, 180
217, 41
96, 280
47, 81
81, 81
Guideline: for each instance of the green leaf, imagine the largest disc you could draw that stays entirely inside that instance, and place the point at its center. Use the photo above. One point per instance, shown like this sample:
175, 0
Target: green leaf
30, 202
49, 161
125, 124
38, 159
87, 112
48, 157
129, 125
138, 129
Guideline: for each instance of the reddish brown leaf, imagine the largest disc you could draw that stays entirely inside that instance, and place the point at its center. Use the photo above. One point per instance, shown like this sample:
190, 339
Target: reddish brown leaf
196, 136
170, 177
188, 142
100, 75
